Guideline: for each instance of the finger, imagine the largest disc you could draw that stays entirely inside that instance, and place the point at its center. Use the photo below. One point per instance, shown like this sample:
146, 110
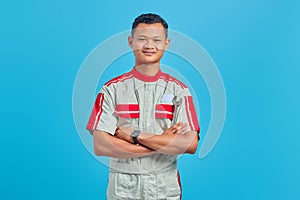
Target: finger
184, 125
118, 132
179, 124
178, 128
173, 131
172, 128
181, 131
170, 131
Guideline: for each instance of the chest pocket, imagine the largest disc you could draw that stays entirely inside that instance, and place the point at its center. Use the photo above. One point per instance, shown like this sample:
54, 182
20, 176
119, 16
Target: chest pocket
164, 111
127, 111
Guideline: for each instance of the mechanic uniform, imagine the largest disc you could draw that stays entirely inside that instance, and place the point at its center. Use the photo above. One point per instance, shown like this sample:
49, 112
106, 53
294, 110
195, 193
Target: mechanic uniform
150, 104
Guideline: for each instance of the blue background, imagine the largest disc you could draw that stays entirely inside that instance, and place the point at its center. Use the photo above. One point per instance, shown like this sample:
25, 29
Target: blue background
255, 45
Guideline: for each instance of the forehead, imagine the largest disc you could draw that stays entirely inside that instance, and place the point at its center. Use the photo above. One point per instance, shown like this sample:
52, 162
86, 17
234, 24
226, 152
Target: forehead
151, 30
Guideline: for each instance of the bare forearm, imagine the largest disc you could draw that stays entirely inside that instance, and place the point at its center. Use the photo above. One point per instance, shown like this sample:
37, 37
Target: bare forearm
172, 143
108, 145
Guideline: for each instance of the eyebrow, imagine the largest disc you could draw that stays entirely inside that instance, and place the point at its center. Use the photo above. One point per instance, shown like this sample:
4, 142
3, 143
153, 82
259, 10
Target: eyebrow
156, 36
141, 35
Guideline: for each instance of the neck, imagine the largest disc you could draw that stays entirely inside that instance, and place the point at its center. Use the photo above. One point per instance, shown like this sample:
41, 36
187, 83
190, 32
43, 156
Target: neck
148, 69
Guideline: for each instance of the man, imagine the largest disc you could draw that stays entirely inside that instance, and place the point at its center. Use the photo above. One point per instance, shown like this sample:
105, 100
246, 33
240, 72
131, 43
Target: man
143, 119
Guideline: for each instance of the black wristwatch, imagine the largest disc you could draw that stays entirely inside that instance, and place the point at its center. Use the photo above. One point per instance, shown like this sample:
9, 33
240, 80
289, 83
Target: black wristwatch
134, 136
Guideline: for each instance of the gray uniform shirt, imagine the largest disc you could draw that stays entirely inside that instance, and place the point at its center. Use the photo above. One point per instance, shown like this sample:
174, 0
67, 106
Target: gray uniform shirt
147, 103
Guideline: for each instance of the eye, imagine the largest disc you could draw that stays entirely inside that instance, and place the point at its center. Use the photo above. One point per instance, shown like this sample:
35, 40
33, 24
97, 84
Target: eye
157, 40
141, 39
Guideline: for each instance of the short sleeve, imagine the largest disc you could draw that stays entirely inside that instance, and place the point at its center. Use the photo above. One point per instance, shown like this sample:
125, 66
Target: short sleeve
102, 117
185, 111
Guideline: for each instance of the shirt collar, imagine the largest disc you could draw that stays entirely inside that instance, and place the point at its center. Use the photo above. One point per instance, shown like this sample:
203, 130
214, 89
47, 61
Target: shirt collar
144, 77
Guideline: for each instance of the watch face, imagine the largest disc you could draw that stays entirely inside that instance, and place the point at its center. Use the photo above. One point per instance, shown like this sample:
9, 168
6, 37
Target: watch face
135, 133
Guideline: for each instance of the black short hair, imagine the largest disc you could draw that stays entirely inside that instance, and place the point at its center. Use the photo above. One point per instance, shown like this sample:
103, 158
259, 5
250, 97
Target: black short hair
149, 18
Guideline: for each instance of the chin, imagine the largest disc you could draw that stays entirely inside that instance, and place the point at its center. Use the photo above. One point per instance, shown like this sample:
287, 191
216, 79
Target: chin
149, 61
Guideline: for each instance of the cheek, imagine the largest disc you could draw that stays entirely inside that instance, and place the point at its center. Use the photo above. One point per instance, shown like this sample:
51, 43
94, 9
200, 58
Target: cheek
137, 46
138, 53
160, 47
160, 52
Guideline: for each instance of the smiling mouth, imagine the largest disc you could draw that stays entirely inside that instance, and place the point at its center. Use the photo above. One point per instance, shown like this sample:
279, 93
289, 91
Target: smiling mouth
148, 53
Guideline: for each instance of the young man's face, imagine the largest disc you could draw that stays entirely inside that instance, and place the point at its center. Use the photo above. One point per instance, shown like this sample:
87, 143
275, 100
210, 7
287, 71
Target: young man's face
148, 43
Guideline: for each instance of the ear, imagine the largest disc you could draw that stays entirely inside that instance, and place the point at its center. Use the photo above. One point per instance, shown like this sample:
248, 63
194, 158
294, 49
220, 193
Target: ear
167, 43
130, 41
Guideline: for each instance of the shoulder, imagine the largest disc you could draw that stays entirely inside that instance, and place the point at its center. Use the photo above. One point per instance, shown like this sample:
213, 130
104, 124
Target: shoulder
170, 79
180, 89
119, 79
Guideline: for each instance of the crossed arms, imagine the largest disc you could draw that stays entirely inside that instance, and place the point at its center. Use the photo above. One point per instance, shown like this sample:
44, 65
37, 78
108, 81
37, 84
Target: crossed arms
172, 141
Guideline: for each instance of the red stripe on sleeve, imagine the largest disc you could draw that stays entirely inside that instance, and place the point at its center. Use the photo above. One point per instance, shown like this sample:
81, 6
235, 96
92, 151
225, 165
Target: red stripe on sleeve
179, 183
191, 114
96, 112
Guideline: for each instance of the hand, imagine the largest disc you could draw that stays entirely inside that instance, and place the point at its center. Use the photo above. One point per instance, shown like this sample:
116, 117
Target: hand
178, 128
124, 133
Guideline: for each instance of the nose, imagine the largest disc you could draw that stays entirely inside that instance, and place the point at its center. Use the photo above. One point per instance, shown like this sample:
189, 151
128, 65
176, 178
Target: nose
149, 44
